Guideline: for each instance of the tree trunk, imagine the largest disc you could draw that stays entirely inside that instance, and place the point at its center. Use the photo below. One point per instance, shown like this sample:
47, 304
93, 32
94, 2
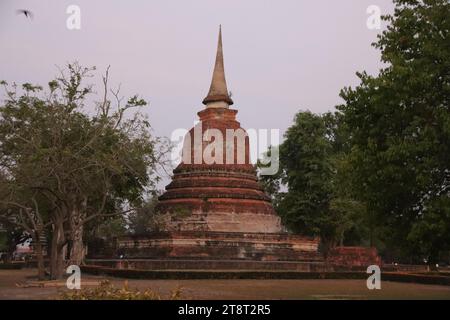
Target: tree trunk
327, 245
39, 255
341, 240
76, 222
57, 257
76, 238
433, 259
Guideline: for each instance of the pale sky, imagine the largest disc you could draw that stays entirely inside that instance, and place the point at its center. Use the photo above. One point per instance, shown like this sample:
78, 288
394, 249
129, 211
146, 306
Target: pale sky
280, 56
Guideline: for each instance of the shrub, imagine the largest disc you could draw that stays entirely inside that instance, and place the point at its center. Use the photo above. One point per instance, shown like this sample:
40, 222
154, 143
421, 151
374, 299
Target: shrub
107, 291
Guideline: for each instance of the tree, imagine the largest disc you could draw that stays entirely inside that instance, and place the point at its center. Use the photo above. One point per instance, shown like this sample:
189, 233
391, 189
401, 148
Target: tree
67, 168
145, 219
399, 124
316, 201
21, 207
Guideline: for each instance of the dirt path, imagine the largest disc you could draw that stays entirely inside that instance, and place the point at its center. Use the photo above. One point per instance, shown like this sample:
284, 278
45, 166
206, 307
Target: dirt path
234, 289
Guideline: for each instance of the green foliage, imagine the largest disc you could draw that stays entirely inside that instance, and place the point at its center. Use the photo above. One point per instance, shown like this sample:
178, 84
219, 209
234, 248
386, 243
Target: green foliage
313, 168
107, 291
399, 124
431, 233
65, 167
146, 219
111, 227
303, 156
53, 141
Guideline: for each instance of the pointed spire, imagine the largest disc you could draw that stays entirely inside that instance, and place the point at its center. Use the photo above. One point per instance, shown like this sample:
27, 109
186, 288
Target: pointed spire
218, 90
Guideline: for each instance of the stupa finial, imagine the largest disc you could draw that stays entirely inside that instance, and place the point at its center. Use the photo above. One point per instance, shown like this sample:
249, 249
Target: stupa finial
218, 90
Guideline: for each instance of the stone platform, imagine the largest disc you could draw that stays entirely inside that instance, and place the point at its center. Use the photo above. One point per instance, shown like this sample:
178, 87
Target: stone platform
216, 265
208, 245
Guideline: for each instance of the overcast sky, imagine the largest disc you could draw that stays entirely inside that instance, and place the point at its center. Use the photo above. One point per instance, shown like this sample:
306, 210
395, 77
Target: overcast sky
280, 56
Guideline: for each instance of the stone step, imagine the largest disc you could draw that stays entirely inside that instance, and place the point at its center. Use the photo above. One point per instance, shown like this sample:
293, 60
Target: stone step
195, 264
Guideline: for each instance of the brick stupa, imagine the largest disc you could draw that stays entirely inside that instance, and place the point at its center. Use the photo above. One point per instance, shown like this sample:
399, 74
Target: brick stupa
217, 208
221, 193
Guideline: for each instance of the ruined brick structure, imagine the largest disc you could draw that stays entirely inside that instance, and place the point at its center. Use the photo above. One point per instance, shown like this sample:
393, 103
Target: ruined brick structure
218, 216
216, 206
354, 256
222, 194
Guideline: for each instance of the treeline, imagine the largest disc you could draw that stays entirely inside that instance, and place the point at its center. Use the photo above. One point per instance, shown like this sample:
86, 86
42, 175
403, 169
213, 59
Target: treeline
377, 171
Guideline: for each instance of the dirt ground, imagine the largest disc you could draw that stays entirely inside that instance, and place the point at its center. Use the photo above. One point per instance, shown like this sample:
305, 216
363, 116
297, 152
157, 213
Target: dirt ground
11, 281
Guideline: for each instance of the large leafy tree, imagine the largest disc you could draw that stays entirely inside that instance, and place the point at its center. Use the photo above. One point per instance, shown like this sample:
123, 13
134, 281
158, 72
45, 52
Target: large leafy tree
310, 191
399, 123
67, 168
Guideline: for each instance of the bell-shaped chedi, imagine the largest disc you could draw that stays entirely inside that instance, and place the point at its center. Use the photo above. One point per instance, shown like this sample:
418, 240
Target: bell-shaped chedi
216, 209
215, 187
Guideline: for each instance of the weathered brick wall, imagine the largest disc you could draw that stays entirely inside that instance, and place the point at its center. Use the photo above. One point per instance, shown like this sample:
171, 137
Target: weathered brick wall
219, 246
354, 256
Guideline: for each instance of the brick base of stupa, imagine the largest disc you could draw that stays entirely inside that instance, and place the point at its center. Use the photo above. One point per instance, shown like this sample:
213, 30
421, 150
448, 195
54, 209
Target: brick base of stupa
219, 246
354, 256
222, 219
